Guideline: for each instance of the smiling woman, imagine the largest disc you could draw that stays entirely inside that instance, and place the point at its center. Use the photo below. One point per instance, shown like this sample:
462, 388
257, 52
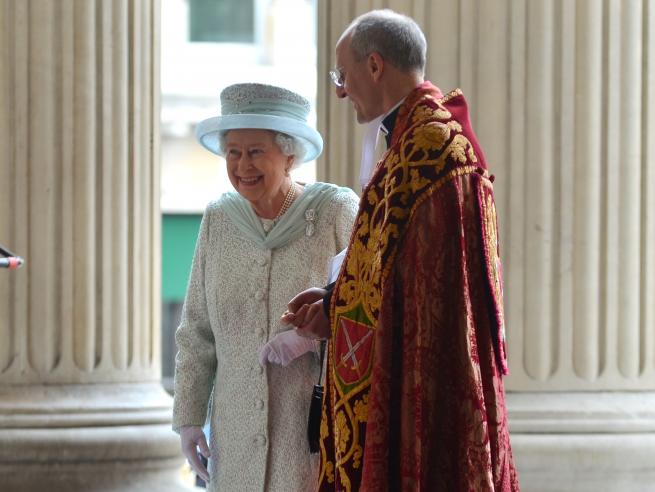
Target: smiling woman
258, 156
256, 246
203, 51
259, 170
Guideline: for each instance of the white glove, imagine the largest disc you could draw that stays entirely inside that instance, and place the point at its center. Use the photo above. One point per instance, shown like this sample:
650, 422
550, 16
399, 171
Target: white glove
285, 347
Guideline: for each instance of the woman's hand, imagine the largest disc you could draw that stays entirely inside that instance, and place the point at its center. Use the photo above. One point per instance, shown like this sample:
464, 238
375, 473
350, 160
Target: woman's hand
305, 312
193, 439
284, 348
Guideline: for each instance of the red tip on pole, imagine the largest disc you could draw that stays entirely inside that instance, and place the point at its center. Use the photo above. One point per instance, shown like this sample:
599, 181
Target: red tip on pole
14, 262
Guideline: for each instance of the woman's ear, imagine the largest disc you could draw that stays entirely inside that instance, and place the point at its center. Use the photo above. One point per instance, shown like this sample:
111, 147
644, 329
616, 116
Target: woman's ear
290, 159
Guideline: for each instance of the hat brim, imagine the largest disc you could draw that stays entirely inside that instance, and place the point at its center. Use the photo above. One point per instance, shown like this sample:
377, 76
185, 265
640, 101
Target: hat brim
208, 131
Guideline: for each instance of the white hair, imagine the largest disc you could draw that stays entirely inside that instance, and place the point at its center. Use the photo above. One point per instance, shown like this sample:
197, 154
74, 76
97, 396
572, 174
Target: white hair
286, 143
397, 38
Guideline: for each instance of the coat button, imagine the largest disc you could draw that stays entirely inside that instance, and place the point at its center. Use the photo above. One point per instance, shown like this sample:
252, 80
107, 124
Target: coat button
259, 295
262, 261
259, 404
260, 439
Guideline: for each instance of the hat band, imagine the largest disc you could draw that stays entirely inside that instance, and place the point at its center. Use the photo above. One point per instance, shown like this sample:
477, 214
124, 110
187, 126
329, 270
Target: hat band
289, 110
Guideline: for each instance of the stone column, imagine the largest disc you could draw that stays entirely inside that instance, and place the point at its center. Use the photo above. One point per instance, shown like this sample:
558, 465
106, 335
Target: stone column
81, 406
562, 97
583, 324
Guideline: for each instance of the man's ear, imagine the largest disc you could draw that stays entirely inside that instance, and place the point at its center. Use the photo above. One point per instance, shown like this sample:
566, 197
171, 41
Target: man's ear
375, 65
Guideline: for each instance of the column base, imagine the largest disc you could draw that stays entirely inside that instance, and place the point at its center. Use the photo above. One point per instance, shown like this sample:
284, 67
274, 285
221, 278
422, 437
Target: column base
583, 441
104, 437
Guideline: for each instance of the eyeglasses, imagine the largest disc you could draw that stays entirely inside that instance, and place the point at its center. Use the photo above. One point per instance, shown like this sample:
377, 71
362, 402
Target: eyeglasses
338, 77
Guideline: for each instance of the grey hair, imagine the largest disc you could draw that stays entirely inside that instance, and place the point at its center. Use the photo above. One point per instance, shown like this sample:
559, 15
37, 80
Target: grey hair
290, 146
286, 143
397, 38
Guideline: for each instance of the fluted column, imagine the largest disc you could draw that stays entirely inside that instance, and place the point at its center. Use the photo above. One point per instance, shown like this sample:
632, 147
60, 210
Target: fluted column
562, 98
81, 406
595, 225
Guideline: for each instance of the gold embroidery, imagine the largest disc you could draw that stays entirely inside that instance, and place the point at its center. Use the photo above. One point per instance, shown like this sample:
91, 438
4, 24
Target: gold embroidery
432, 136
451, 95
455, 126
442, 113
342, 432
357, 456
432, 151
377, 230
458, 148
324, 427
345, 481
329, 471
471, 153
348, 424
491, 230
421, 113
361, 409
417, 182
327, 466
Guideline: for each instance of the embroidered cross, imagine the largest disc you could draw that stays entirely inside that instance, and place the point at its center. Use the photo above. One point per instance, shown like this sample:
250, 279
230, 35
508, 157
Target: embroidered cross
353, 350
351, 353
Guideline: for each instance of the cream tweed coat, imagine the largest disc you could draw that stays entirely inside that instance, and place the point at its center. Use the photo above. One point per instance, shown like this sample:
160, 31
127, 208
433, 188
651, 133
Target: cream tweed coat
234, 300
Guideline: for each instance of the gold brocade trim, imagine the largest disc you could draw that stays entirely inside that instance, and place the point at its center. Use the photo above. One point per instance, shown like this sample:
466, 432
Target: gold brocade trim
492, 238
455, 173
345, 481
490, 219
326, 467
451, 94
352, 391
366, 266
351, 407
347, 421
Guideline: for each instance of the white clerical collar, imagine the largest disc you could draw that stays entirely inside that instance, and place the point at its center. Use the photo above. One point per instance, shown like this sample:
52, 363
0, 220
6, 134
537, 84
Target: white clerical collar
370, 142
384, 129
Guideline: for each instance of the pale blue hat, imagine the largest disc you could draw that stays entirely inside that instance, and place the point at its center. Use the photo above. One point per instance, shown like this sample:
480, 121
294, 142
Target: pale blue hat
265, 107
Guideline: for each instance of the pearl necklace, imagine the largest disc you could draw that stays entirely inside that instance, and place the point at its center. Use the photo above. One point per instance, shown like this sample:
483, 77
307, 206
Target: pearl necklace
288, 200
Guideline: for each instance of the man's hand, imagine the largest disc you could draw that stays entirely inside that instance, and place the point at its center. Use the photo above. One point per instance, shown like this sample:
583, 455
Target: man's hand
305, 312
193, 439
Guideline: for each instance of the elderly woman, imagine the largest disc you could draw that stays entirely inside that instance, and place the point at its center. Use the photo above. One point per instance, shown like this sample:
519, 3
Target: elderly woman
256, 248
